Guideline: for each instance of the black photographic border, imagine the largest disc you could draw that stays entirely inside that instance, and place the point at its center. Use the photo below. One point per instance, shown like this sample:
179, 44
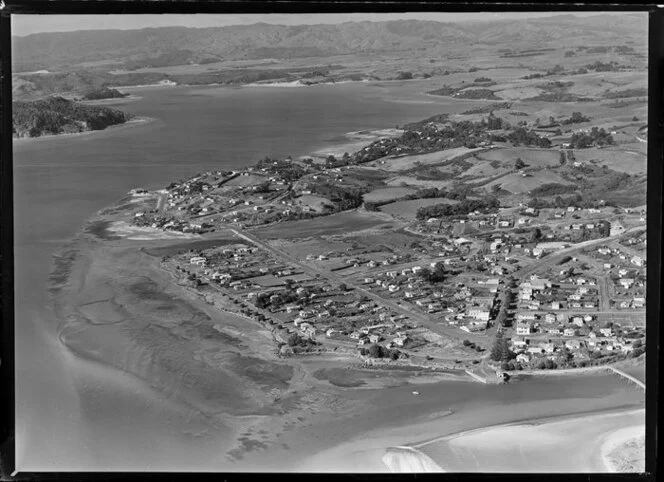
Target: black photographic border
654, 221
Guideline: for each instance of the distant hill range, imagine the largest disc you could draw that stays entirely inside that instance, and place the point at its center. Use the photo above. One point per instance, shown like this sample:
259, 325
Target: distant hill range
153, 47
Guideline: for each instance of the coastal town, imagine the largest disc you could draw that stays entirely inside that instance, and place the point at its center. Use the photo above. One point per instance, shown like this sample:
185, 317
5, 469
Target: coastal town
464, 273
359, 242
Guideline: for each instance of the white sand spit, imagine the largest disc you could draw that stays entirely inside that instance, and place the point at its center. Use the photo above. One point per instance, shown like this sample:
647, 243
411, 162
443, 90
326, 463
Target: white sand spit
409, 460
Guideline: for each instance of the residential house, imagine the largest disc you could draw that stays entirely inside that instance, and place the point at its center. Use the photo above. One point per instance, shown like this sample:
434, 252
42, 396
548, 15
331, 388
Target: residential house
577, 320
548, 347
569, 332
478, 314
523, 328
616, 229
524, 316
523, 358
574, 344
626, 282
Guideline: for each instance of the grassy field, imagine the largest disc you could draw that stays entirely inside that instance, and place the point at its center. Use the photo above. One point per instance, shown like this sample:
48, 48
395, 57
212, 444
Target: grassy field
315, 202
408, 209
483, 168
623, 160
518, 93
395, 164
411, 181
246, 180
336, 224
388, 194
516, 183
302, 248
532, 157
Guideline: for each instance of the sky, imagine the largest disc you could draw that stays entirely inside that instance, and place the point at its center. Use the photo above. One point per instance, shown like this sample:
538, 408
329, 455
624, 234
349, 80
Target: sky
28, 24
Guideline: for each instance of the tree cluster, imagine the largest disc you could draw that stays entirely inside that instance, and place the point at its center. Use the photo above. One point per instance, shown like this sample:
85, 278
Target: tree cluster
379, 351
521, 135
435, 275
464, 207
576, 118
500, 350
596, 137
552, 189
56, 115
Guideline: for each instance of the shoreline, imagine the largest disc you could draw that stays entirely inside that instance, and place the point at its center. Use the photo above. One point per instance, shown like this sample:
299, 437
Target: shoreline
381, 454
617, 447
134, 122
111, 100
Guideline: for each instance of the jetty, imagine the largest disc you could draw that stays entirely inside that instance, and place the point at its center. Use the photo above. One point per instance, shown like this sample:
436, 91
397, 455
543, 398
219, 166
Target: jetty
627, 377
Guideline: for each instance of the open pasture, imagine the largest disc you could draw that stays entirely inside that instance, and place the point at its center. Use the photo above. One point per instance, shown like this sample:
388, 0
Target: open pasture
412, 181
314, 202
300, 249
518, 92
516, 183
532, 157
249, 180
388, 193
395, 164
485, 168
335, 224
622, 160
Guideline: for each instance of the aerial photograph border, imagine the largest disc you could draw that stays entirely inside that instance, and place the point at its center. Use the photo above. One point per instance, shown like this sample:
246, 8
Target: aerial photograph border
349, 238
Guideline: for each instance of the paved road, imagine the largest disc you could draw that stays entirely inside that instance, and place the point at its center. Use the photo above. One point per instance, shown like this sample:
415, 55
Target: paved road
555, 257
604, 298
627, 249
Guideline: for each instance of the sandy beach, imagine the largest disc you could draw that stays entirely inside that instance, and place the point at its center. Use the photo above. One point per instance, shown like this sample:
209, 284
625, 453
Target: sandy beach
623, 450
580, 444
585, 443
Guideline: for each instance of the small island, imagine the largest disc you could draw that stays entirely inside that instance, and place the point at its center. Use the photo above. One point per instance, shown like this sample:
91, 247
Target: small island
57, 115
103, 94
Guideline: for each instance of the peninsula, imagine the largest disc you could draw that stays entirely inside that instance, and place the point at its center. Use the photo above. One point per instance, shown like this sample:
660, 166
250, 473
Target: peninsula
57, 115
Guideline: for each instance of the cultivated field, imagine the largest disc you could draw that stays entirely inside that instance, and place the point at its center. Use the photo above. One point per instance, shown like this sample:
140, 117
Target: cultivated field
395, 164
